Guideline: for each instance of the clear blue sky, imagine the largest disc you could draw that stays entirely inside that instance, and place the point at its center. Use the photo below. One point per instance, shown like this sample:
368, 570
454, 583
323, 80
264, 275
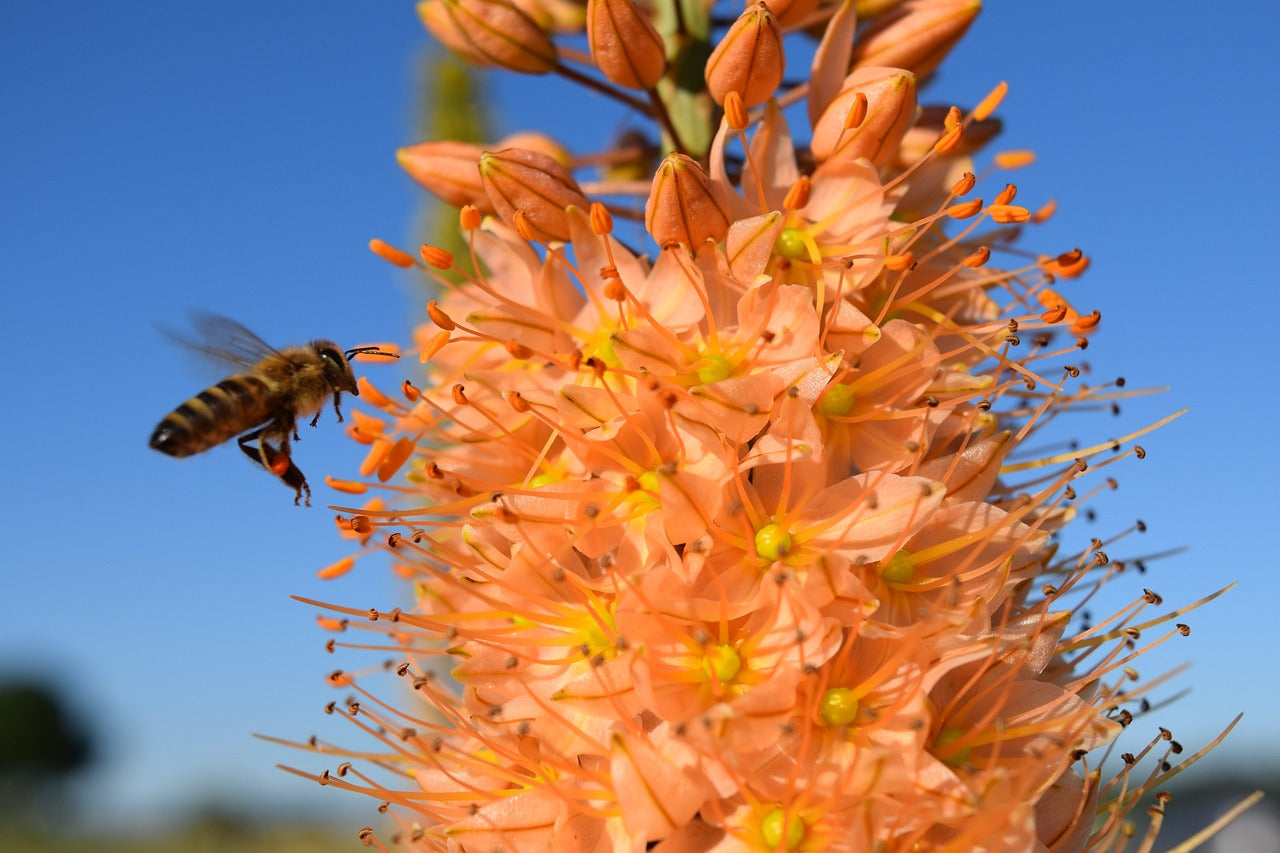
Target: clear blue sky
236, 157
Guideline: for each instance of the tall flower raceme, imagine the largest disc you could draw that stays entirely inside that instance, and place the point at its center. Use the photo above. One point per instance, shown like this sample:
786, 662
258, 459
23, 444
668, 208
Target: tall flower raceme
728, 539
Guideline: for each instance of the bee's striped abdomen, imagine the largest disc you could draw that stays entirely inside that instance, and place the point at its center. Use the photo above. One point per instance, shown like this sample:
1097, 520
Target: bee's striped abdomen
233, 406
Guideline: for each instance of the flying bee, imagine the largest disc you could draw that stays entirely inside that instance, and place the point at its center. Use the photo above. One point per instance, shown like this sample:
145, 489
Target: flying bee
263, 400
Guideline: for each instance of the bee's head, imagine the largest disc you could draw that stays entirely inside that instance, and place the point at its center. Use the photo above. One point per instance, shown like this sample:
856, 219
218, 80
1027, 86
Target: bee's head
336, 365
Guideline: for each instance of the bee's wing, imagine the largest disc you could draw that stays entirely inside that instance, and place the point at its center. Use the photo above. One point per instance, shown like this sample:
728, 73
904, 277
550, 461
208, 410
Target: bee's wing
223, 340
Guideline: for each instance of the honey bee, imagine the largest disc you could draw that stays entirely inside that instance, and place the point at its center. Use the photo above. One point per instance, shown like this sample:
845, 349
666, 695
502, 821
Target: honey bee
272, 389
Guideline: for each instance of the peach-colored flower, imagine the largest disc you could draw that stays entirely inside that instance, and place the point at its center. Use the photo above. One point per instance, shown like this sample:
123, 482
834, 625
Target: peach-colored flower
727, 533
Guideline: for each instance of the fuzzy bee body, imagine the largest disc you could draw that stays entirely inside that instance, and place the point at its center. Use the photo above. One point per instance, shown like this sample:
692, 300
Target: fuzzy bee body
236, 404
262, 404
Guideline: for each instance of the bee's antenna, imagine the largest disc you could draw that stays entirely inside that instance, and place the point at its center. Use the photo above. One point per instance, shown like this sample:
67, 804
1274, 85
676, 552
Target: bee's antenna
351, 353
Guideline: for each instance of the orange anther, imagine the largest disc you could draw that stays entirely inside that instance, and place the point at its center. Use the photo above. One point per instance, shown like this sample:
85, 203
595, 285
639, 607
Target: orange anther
1047, 210
965, 185
1006, 195
434, 346
516, 402
988, 105
396, 457
459, 394
1014, 159
441, 319
372, 394
898, 263
964, 210
439, 258
351, 487
1008, 214
410, 391
390, 253
518, 350
797, 197
949, 139
469, 217
857, 113
735, 112
978, 258
337, 569
601, 219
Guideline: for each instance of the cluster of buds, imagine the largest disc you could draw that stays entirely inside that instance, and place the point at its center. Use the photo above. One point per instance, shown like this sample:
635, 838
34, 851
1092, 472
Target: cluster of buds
731, 540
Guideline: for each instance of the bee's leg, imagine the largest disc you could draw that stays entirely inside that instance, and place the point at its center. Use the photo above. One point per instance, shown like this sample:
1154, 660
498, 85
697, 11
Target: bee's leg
254, 445
276, 459
337, 395
294, 478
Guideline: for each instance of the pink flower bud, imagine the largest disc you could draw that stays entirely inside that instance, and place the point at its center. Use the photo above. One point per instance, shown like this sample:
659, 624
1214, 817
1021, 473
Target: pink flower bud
448, 170
534, 184
890, 108
685, 206
490, 32
624, 44
749, 59
916, 35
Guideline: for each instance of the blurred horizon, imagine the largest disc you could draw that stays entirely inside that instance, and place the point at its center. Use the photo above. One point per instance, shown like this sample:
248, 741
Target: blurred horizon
237, 158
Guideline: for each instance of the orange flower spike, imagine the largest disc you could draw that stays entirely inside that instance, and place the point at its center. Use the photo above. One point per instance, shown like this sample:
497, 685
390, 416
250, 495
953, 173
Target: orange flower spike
624, 43
890, 94
917, 35
391, 254
749, 59
685, 206
490, 33
534, 184
448, 170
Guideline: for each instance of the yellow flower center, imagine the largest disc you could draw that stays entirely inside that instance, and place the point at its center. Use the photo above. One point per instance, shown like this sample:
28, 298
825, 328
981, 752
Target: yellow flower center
772, 542
646, 496
721, 663
837, 401
838, 707
779, 829
713, 367
791, 244
950, 756
899, 568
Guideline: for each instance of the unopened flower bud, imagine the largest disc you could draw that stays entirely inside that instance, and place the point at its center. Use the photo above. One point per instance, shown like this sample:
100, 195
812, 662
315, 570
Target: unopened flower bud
531, 140
749, 59
891, 106
790, 13
554, 16
490, 33
624, 43
685, 206
448, 170
917, 35
534, 184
